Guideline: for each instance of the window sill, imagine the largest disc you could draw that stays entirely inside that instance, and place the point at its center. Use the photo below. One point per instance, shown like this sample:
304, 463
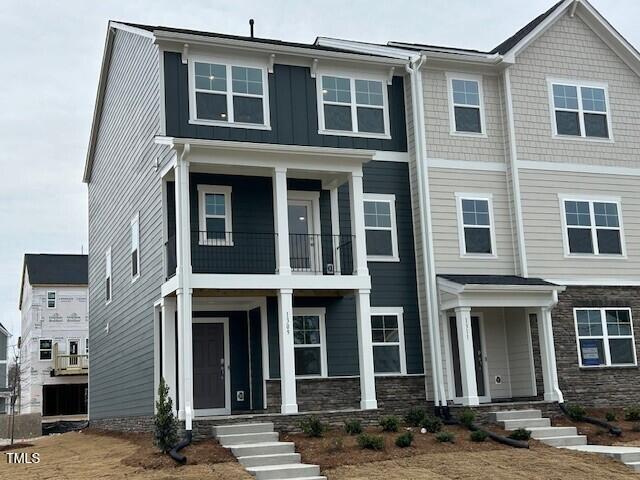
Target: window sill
381, 259
348, 133
311, 377
581, 138
214, 123
469, 134
592, 256
479, 256
609, 367
390, 374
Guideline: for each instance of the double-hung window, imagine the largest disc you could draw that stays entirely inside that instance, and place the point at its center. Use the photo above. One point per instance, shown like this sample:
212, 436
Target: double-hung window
580, 110
387, 335
593, 227
355, 105
380, 227
46, 347
310, 350
135, 247
229, 94
214, 206
605, 337
107, 273
466, 109
51, 299
475, 224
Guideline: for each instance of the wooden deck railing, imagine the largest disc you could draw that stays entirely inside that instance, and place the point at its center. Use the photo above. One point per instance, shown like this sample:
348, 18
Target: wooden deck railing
71, 364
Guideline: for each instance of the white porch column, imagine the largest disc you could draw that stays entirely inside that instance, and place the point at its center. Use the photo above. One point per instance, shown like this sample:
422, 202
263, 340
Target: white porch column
168, 342
184, 292
467, 356
335, 228
356, 196
365, 351
281, 221
552, 391
287, 354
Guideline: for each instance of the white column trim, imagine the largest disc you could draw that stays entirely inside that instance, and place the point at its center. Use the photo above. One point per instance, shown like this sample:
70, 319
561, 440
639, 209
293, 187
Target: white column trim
168, 342
289, 403
356, 197
467, 357
335, 226
281, 221
368, 399
552, 391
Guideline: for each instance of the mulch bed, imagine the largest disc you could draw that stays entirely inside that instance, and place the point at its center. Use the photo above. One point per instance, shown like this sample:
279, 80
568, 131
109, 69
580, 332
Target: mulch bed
146, 455
336, 448
597, 435
15, 446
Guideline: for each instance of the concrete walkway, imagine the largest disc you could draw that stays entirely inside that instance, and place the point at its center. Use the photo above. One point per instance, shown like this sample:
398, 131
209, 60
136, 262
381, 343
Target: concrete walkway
630, 456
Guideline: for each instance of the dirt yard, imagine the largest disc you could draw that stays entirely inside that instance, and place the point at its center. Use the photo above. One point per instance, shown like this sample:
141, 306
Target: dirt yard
93, 455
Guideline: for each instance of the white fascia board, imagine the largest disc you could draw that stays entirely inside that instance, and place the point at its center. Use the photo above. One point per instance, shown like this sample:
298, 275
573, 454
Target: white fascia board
367, 48
131, 29
596, 282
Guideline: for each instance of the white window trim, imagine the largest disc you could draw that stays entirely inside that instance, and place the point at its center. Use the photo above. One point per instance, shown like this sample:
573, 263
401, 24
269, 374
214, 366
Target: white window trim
605, 338
321, 313
55, 299
135, 223
225, 190
40, 350
492, 227
352, 76
108, 275
398, 312
578, 84
451, 76
391, 199
594, 239
228, 63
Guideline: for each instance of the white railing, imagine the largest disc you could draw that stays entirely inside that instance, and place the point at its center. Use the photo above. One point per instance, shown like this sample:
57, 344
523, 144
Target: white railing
70, 364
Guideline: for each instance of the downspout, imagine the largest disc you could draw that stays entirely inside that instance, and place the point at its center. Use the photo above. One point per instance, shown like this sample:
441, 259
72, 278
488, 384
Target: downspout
417, 100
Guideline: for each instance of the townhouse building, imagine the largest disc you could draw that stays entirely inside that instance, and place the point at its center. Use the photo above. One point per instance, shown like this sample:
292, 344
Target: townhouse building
281, 228
5, 397
54, 347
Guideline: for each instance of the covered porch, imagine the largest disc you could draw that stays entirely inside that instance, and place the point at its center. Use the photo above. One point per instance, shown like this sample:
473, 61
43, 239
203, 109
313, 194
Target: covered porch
497, 339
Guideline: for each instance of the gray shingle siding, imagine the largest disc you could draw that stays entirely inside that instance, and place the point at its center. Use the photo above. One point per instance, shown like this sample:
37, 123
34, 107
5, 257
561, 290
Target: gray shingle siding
123, 183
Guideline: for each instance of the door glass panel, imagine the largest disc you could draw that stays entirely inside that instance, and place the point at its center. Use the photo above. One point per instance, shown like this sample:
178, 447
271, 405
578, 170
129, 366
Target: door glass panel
299, 238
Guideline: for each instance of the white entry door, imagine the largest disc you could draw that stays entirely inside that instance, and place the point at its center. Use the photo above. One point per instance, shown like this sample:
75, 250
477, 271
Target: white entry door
304, 233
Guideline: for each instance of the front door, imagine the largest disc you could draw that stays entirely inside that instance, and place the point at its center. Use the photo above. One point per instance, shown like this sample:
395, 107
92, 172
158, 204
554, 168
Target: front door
73, 352
210, 367
479, 357
303, 244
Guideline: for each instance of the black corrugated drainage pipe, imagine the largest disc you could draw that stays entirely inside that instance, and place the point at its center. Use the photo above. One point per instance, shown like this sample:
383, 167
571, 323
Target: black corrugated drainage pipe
613, 430
493, 436
186, 440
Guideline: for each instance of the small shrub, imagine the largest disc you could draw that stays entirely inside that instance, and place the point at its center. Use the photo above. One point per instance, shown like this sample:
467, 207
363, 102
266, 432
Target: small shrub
371, 442
520, 434
478, 436
353, 427
445, 437
635, 427
576, 412
632, 414
389, 424
313, 427
165, 434
335, 444
414, 417
467, 416
610, 417
431, 424
404, 440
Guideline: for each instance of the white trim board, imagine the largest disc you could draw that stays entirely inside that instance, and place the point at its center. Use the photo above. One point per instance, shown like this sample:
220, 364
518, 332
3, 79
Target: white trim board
578, 168
467, 164
595, 281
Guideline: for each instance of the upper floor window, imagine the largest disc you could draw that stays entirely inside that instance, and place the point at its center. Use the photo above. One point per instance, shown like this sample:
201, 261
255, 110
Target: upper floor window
223, 94
466, 109
352, 106
580, 110
605, 337
380, 227
475, 224
214, 207
107, 273
51, 299
46, 347
135, 248
593, 227
387, 335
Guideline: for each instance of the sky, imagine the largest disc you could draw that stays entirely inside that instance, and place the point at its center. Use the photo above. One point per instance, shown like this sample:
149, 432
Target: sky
51, 52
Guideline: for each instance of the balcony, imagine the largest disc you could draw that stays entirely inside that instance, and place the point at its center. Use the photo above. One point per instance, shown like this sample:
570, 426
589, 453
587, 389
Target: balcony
254, 253
70, 365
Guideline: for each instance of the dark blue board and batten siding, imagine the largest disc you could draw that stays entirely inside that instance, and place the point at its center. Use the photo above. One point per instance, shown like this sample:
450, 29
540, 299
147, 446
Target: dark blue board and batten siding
293, 110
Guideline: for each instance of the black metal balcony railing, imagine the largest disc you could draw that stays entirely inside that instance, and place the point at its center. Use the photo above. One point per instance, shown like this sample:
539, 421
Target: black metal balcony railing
254, 253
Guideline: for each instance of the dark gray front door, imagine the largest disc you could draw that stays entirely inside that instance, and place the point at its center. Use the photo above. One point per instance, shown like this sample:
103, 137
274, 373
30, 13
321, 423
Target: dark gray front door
477, 348
209, 367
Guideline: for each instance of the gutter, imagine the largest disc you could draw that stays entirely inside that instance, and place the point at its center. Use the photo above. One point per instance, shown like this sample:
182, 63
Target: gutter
417, 100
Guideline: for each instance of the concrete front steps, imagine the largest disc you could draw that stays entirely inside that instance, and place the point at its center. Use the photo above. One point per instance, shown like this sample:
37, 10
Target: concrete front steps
562, 437
259, 451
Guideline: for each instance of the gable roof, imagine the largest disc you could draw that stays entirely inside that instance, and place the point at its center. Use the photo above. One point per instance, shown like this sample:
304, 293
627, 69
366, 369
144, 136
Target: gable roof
4, 331
55, 269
